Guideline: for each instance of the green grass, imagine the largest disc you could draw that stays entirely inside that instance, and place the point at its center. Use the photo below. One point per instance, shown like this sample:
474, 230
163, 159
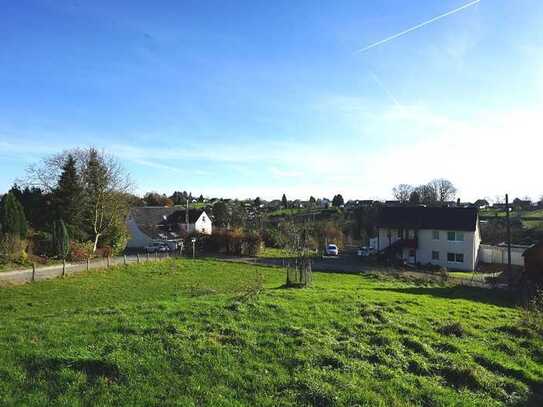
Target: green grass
274, 253
203, 332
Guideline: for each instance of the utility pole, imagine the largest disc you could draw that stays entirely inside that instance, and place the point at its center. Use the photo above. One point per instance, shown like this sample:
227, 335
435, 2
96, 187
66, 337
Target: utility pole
509, 268
187, 217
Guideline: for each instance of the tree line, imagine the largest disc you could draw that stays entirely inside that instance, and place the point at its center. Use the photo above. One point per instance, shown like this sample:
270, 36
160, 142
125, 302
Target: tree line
79, 197
435, 192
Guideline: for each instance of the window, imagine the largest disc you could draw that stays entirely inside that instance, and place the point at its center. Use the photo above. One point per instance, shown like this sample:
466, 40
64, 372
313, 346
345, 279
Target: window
435, 235
435, 255
455, 236
412, 253
455, 257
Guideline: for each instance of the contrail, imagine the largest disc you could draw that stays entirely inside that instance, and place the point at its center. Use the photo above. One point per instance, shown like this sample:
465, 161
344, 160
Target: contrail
416, 27
385, 89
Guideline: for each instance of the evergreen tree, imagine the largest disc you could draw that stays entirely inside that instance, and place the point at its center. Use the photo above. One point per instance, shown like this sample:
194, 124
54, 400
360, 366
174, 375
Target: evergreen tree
284, 201
12, 217
68, 197
257, 202
338, 201
60, 239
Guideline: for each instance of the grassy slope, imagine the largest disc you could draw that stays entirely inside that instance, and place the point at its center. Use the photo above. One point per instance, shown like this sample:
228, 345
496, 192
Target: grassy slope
196, 332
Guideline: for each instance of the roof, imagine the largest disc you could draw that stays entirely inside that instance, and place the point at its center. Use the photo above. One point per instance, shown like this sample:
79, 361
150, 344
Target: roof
420, 217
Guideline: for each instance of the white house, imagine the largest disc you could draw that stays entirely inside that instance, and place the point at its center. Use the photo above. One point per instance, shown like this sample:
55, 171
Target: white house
151, 224
447, 237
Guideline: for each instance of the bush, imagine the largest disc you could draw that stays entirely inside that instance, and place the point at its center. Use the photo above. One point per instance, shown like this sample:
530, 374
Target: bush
232, 242
13, 249
80, 251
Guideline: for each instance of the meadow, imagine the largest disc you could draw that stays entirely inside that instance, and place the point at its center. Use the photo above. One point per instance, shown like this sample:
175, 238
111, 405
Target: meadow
203, 332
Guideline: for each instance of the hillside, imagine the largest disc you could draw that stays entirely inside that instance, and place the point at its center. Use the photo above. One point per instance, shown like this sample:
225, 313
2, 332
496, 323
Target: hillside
206, 332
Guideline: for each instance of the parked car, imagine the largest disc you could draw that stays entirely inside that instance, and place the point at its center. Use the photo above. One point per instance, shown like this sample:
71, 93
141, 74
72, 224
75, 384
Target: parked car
159, 247
365, 251
332, 250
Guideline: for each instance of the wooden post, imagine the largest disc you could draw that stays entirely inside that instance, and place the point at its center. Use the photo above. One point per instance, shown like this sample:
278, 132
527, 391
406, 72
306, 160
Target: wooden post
156, 256
33, 272
124, 259
63, 267
138, 258
147, 256
88, 263
108, 261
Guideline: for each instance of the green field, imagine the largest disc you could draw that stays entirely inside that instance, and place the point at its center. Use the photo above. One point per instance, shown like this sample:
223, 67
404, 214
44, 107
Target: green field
202, 332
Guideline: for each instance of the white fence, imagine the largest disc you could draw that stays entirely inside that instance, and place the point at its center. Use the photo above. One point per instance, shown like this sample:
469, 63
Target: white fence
498, 254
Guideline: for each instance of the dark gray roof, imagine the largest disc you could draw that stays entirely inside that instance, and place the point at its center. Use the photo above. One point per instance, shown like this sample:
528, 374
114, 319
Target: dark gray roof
420, 217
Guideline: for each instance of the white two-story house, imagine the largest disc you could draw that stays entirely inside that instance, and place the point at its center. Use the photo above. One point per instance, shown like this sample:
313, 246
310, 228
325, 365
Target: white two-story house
447, 237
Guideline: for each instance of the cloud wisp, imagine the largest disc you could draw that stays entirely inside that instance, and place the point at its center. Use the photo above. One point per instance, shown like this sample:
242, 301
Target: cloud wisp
416, 27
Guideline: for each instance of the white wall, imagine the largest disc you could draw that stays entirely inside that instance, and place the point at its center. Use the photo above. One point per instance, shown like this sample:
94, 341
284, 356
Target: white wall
498, 255
203, 224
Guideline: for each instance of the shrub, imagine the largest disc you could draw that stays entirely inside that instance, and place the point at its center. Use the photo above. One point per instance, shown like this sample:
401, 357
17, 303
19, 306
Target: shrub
12, 248
81, 251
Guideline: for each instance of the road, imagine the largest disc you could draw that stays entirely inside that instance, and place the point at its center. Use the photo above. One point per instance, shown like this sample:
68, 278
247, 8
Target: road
48, 272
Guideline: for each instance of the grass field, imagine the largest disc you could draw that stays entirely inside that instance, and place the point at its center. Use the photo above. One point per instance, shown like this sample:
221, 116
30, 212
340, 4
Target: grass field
202, 332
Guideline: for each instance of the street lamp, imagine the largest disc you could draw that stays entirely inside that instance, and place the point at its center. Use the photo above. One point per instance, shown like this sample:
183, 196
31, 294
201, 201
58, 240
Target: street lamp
193, 240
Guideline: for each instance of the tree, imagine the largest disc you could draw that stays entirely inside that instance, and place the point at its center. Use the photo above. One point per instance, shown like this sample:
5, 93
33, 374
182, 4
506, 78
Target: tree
414, 197
201, 198
444, 189
312, 201
427, 194
68, 197
60, 239
105, 186
156, 199
284, 201
221, 215
257, 202
338, 201
402, 192
12, 217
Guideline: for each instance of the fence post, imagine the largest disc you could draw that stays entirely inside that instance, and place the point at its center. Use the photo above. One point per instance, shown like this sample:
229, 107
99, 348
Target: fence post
138, 258
63, 267
88, 263
33, 272
124, 259
108, 261
147, 256
156, 256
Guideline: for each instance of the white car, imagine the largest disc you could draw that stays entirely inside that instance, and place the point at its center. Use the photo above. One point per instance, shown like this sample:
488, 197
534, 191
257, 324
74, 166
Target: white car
365, 251
332, 250
159, 247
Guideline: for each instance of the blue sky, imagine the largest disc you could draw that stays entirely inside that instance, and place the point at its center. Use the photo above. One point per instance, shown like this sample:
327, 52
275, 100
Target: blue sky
257, 98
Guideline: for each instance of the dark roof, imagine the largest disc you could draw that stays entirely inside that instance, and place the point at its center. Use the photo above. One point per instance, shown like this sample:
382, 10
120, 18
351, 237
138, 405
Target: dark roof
420, 217
179, 216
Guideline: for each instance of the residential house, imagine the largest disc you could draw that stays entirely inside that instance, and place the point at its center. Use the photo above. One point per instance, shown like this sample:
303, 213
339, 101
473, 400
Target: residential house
441, 236
151, 224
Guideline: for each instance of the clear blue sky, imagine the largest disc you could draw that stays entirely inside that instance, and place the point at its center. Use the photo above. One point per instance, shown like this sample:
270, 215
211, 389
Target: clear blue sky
257, 98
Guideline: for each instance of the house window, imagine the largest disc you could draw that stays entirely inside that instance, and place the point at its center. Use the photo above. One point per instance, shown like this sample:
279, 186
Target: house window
435, 255
455, 236
435, 235
455, 257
